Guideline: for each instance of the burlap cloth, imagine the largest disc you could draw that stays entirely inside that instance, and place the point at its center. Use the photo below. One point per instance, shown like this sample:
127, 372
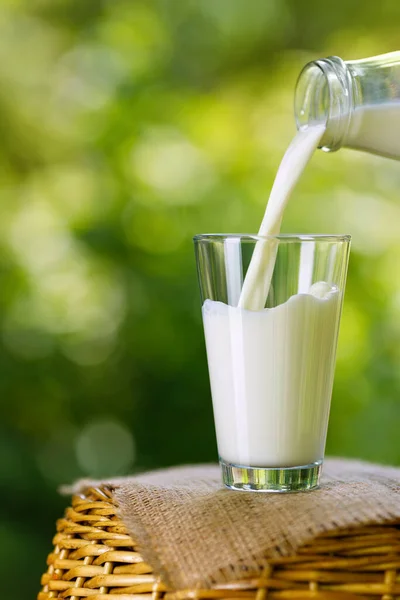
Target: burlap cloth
194, 533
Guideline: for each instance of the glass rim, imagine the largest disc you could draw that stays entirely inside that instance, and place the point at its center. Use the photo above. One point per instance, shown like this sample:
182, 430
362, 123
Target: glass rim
284, 237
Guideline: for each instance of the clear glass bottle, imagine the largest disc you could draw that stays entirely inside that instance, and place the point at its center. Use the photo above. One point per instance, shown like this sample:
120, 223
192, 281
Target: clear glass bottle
357, 100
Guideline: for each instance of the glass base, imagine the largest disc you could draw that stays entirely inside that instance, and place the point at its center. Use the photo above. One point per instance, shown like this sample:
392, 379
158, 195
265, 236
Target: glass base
279, 479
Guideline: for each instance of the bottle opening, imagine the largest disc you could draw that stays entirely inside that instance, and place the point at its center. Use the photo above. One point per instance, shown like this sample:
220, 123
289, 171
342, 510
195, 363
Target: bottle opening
324, 96
311, 101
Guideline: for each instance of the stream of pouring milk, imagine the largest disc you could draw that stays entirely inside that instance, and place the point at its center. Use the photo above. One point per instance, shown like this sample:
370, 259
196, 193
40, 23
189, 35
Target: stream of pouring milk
271, 370
258, 277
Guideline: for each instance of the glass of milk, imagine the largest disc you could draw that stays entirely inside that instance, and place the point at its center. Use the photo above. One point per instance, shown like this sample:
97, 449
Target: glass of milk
271, 369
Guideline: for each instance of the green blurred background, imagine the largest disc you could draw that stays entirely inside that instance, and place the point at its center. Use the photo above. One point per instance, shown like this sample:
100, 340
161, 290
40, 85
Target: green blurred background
127, 126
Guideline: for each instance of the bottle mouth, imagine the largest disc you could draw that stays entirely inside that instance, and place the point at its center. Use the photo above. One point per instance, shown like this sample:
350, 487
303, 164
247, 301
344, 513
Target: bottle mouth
324, 96
311, 101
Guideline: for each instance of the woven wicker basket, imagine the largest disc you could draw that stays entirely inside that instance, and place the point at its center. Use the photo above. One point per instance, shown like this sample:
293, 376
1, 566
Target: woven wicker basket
95, 557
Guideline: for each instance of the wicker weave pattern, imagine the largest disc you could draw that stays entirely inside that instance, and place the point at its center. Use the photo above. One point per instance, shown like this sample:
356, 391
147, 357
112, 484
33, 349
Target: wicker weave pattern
95, 557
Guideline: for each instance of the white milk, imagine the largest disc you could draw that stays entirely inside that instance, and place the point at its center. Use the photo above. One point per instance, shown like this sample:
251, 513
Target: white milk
376, 129
258, 277
271, 369
271, 377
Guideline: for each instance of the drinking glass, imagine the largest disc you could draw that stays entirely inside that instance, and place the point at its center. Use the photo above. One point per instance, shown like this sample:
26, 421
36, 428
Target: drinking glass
271, 357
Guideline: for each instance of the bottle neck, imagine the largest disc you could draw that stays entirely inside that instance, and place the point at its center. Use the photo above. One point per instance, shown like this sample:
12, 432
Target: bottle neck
325, 95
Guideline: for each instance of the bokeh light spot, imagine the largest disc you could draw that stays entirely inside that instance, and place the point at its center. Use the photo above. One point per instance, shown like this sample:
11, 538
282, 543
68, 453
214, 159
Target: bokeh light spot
56, 458
170, 164
105, 447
